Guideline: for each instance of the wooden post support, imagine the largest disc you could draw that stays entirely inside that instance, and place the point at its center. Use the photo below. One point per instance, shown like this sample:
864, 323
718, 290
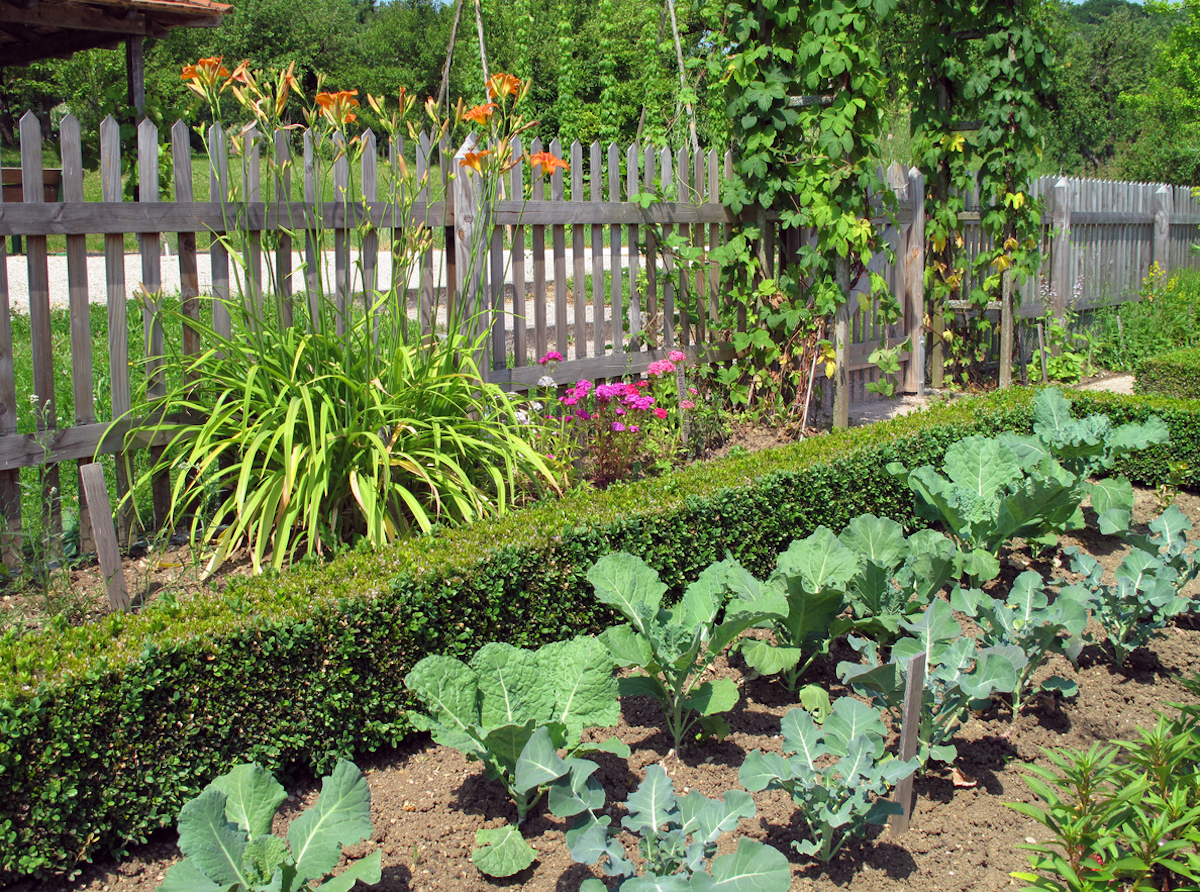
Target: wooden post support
104, 531
910, 725
1163, 208
841, 348
1063, 259
1006, 329
914, 279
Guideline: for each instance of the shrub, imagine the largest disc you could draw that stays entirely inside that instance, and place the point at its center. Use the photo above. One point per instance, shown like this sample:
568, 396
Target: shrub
1174, 374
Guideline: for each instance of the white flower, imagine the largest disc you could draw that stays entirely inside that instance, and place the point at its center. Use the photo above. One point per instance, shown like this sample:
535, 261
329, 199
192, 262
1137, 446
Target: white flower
546, 381
536, 406
522, 416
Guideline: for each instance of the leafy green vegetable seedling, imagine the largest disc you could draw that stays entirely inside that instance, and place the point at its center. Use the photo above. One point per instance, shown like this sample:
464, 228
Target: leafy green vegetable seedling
676, 837
837, 773
225, 834
513, 709
1147, 594
673, 647
959, 676
1028, 620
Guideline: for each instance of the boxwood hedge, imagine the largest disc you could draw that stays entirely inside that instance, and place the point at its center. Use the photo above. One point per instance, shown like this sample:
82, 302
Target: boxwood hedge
1174, 374
106, 729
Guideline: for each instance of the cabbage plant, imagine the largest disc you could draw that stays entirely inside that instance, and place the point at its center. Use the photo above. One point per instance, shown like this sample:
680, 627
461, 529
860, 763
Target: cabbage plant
513, 710
225, 836
992, 489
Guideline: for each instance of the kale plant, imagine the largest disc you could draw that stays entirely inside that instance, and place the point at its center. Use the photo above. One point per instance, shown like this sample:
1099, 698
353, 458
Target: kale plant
676, 837
836, 773
225, 834
513, 709
673, 647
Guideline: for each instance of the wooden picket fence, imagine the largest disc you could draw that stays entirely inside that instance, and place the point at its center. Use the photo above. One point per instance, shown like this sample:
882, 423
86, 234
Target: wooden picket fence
528, 288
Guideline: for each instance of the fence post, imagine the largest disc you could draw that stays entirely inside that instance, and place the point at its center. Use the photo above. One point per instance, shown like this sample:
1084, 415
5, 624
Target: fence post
1164, 206
470, 241
1060, 277
914, 279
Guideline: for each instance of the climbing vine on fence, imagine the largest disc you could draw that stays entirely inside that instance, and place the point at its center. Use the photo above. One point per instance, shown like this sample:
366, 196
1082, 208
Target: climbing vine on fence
812, 163
975, 123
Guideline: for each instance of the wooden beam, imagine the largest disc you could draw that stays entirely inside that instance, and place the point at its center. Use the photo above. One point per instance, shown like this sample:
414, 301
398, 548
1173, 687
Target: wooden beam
73, 17
135, 72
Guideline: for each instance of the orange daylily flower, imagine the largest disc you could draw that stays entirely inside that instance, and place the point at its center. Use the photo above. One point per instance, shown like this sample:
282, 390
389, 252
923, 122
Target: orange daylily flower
480, 114
499, 85
204, 77
477, 161
336, 106
547, 162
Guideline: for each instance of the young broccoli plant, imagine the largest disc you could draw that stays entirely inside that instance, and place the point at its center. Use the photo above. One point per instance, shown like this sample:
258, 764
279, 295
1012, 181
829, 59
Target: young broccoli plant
513, 710
959, 676
225, 834
1029, 621
988, 494
897, 576
673, 647
870, 568
1085, 448
1147, 594
676, 837
811, 578
836, 773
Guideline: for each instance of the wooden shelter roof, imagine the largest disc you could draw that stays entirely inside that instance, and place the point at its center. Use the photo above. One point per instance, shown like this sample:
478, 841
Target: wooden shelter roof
40, 29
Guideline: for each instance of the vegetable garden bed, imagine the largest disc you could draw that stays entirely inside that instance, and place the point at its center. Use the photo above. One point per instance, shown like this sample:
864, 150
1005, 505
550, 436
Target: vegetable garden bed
428, 801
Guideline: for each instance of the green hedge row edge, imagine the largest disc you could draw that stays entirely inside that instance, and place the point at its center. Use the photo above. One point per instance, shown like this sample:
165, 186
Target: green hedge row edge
107, 729
1174, 374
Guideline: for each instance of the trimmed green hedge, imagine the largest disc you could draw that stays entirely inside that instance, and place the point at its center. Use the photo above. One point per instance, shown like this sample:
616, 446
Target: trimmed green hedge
1175, 374
107, 729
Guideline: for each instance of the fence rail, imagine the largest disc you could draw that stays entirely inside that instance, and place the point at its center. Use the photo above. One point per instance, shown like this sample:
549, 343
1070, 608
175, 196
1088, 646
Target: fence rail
573, 263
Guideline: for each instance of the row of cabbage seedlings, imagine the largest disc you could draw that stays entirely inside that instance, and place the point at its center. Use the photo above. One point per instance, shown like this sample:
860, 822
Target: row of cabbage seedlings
523, 713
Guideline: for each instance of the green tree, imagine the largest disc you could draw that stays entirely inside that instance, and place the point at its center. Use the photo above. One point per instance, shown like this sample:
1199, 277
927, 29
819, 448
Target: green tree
1166, 147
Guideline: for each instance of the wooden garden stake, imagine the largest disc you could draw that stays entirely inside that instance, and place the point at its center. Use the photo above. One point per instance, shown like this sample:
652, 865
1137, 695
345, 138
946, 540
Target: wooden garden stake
104, 531
1042, 351
910, 726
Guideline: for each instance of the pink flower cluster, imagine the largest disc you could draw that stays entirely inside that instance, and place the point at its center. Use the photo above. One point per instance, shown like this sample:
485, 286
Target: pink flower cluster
552, 356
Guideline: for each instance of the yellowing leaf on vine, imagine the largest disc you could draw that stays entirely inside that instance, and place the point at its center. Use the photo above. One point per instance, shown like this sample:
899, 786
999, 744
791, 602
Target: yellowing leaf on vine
826, 354
939, 244
953, 142
958, 240
947, 335
1010, 243
1015, 200
1002, 262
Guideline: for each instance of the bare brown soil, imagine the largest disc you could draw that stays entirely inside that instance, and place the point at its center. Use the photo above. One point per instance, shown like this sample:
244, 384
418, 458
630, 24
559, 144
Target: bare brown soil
428, 801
